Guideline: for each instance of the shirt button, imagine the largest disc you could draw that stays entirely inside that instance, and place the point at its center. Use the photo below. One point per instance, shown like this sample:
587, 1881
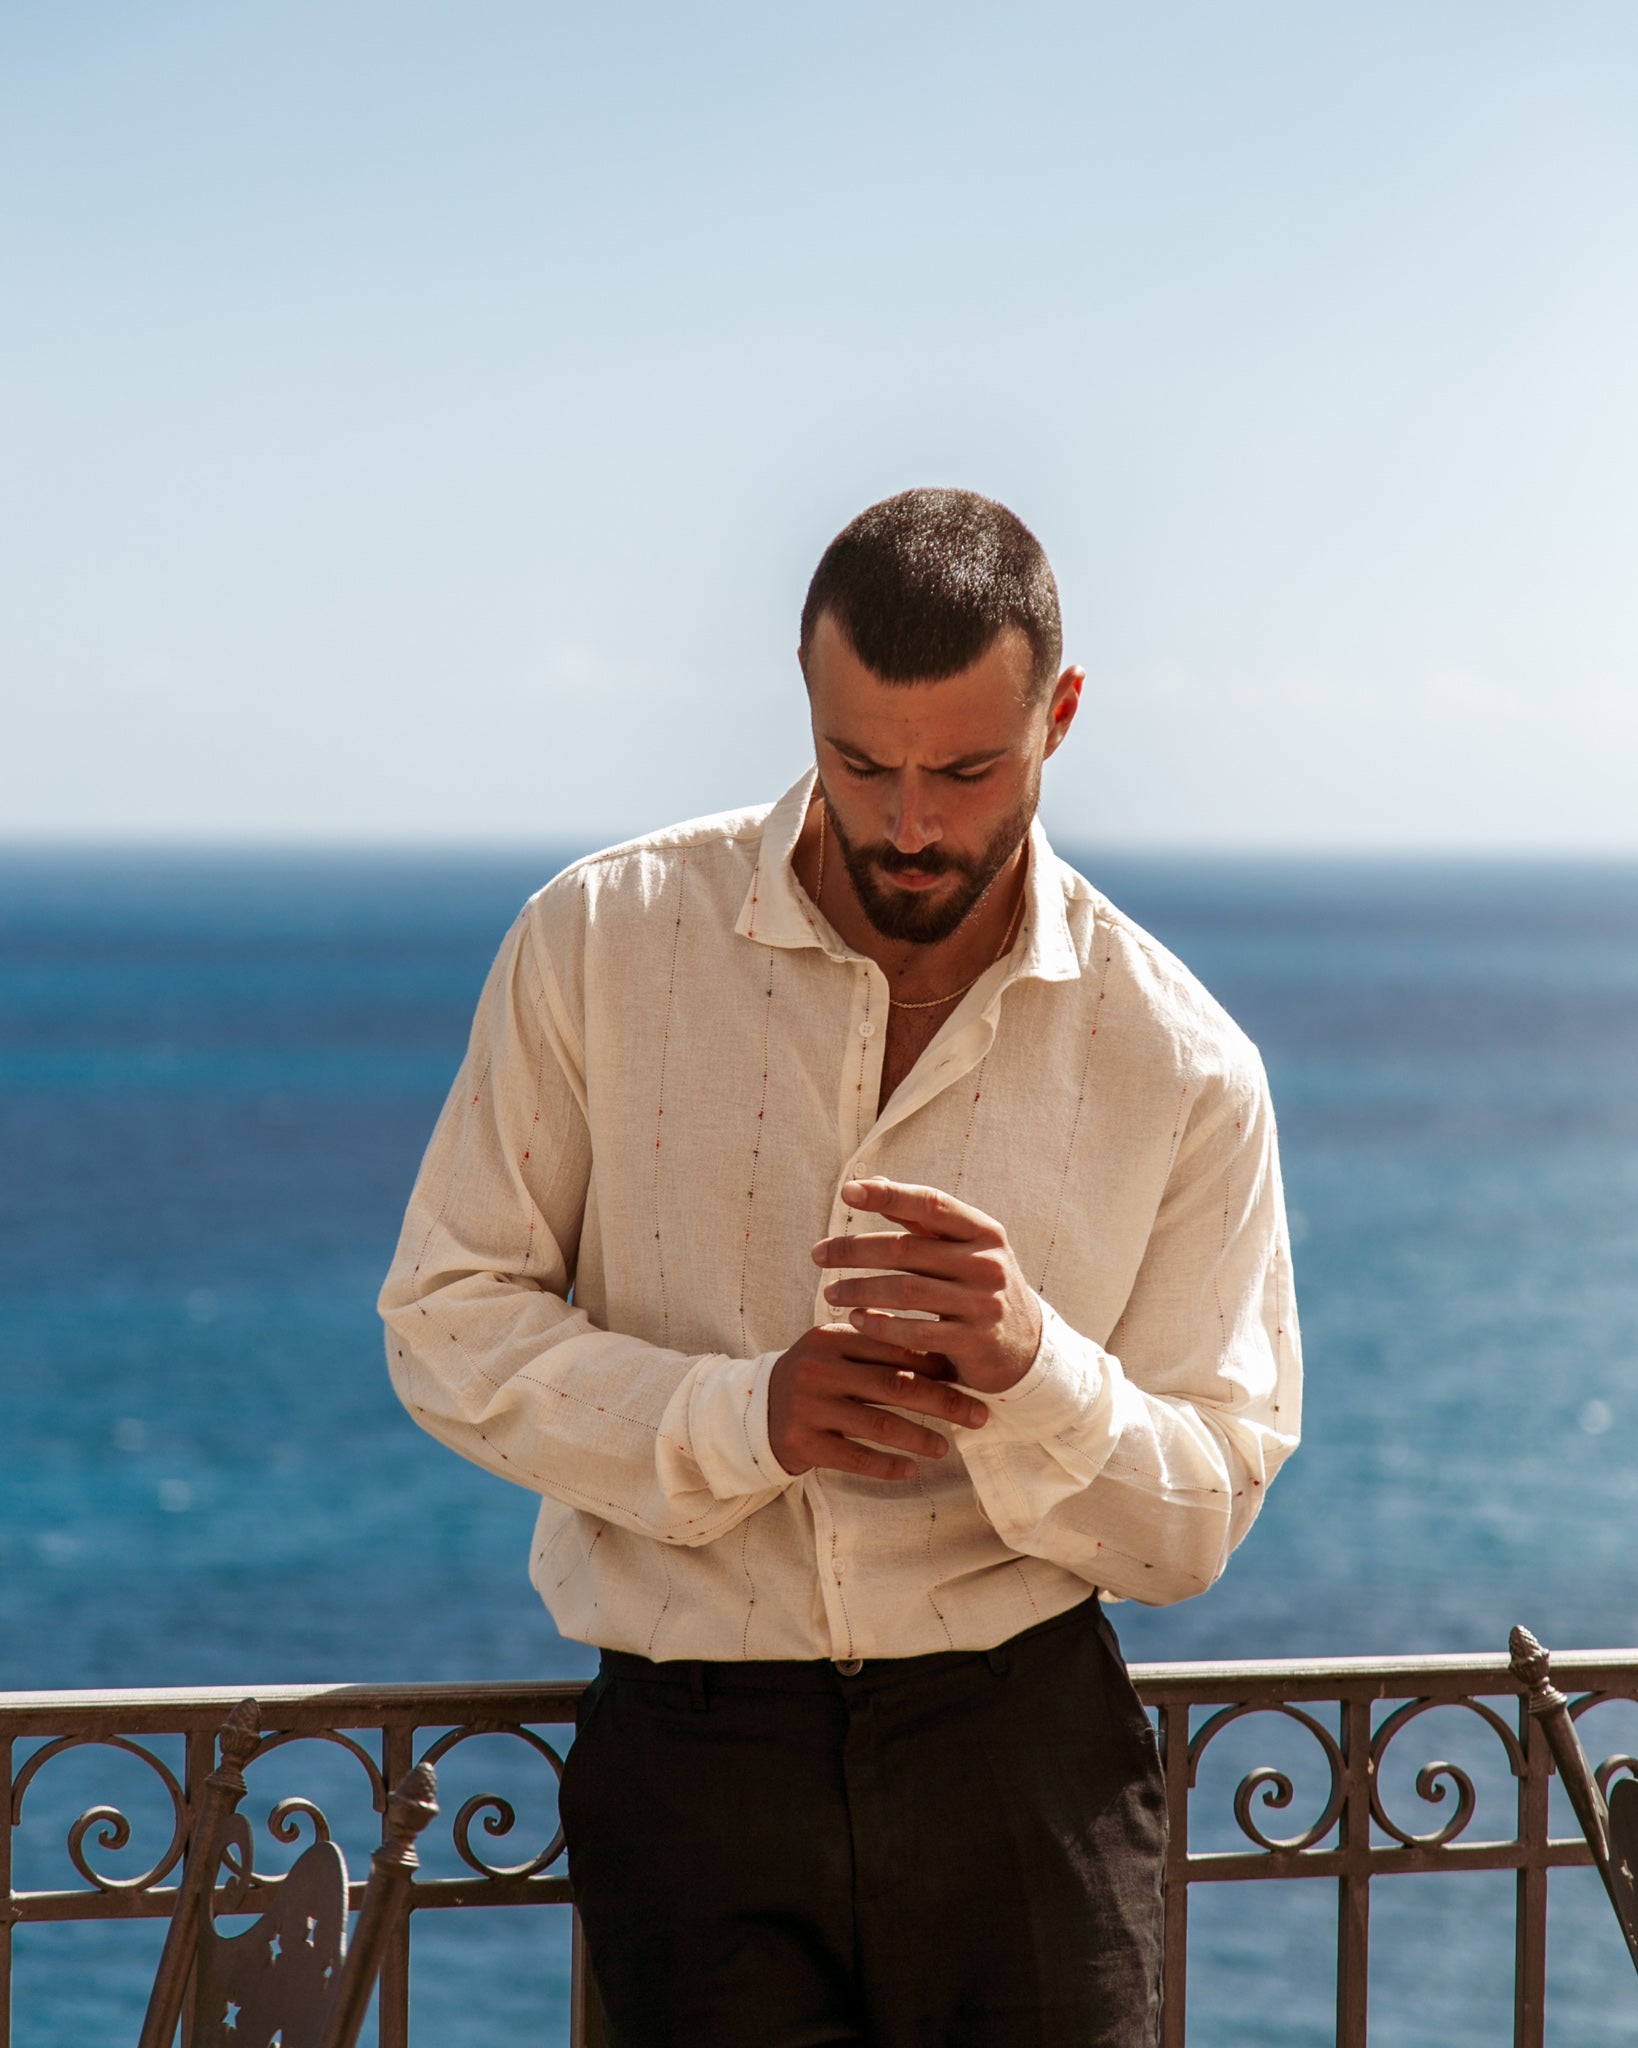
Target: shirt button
867, 1029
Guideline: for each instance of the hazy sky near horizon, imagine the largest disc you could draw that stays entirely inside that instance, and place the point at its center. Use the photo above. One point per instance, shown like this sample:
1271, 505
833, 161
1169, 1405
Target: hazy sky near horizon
420, 422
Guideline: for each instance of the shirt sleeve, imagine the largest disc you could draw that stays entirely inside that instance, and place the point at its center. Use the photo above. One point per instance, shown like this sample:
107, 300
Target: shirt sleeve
483, 1345
1141, 1466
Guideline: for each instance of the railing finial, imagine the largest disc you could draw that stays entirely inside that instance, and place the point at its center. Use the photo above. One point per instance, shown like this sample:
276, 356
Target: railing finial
241, 1732
1530, 1662
413, 1804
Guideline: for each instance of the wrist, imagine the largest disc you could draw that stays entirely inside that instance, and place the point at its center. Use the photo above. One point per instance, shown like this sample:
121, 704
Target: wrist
1066, 1384
1012, 1362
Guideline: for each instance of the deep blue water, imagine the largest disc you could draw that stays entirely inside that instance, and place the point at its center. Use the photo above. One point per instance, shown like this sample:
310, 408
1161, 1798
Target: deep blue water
216, 1077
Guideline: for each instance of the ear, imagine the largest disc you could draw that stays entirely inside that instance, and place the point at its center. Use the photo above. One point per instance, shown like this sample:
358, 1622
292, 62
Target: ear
1062, 705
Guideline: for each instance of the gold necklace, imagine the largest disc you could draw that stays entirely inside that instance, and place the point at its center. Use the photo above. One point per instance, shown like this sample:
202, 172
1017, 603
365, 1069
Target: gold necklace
938, 1002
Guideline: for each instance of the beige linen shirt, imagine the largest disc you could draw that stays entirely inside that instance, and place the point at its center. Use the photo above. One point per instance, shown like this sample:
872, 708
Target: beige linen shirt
673, 1070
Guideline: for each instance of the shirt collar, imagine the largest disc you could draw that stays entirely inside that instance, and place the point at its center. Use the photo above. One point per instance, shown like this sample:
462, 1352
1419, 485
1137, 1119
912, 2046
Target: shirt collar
776, 910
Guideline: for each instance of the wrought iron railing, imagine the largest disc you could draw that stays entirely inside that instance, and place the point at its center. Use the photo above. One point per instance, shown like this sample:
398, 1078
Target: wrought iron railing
1227, 1734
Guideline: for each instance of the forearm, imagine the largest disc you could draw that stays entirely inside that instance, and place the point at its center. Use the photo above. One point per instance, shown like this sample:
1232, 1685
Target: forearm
483, 1346
1142, 1494
1141, 1466
671, 1446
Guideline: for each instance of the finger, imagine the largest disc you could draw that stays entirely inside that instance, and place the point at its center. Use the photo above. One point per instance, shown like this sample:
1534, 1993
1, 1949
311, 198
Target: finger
899, 1249
866, 1424
848, 1343
927, 1211
901, 1291
942, 1336
918, 1392
924, 1383
842, 1454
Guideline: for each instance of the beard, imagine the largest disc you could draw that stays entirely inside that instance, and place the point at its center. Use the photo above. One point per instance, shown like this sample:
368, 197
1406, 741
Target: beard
908, 917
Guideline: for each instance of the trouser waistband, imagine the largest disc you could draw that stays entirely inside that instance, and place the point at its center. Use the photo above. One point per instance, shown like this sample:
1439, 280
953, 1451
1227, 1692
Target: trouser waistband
703, 1675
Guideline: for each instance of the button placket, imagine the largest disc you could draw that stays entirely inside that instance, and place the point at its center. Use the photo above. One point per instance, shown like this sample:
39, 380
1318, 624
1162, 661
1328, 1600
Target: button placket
861, 1071
824, 1539
842, 1220
959, 1057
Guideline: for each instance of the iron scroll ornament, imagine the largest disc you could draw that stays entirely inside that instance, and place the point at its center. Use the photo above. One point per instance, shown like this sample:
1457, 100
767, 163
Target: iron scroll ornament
499, 1814
113, 1825
1436, 1777
114, 1829
1434, 1782
1275, 1786
285, 1816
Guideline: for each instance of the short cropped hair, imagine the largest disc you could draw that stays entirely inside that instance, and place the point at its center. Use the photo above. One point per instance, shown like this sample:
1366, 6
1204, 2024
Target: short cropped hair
922, 584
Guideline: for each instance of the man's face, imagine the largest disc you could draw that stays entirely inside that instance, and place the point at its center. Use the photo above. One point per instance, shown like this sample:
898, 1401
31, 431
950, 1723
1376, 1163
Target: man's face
930, 787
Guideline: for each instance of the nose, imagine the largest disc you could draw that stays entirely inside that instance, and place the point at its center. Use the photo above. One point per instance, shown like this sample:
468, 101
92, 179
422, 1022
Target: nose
913, 824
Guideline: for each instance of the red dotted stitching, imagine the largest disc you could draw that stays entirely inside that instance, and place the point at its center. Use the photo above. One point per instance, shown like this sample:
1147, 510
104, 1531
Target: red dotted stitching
756, 1146
972, 1119
1074, 1133
665, 1047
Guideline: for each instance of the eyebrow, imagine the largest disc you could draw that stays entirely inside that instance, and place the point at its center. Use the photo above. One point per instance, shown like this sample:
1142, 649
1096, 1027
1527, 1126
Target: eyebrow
962, 761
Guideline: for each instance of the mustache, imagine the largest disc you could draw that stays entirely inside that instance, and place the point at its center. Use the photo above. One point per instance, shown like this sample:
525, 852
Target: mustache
928, 862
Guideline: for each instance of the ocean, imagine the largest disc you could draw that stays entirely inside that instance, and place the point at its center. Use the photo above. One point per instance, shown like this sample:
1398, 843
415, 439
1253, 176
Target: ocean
217, 1073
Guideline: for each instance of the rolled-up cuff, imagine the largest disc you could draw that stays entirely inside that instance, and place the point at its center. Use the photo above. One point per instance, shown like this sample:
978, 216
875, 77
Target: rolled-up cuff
728, 1426
1061, 1391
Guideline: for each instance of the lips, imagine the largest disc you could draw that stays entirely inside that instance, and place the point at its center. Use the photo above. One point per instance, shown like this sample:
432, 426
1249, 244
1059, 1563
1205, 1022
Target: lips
915, 877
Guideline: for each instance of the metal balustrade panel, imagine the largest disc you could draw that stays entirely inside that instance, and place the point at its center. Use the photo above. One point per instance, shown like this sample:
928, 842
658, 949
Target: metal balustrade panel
1351, 1717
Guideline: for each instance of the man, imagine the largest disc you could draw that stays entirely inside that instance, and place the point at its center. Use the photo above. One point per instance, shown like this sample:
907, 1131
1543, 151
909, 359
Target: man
922, 1226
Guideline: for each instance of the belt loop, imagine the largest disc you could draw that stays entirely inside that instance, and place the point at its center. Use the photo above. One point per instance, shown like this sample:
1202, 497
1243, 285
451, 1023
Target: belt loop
998, 1660
696, 1685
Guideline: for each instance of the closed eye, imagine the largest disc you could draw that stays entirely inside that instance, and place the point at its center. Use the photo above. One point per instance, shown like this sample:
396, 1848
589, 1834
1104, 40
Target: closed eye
868, 772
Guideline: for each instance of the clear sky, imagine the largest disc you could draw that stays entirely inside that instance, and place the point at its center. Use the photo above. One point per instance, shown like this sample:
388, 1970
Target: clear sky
419, 422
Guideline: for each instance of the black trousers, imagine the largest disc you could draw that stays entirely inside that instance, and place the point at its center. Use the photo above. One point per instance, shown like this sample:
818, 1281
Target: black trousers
954, 1851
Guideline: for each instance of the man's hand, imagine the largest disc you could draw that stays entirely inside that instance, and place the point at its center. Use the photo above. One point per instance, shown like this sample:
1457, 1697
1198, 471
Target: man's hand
835, 1387
949, 1259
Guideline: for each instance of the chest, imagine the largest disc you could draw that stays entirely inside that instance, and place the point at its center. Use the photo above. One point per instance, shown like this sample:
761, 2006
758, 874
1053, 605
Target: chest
909, 1033
722, 1122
